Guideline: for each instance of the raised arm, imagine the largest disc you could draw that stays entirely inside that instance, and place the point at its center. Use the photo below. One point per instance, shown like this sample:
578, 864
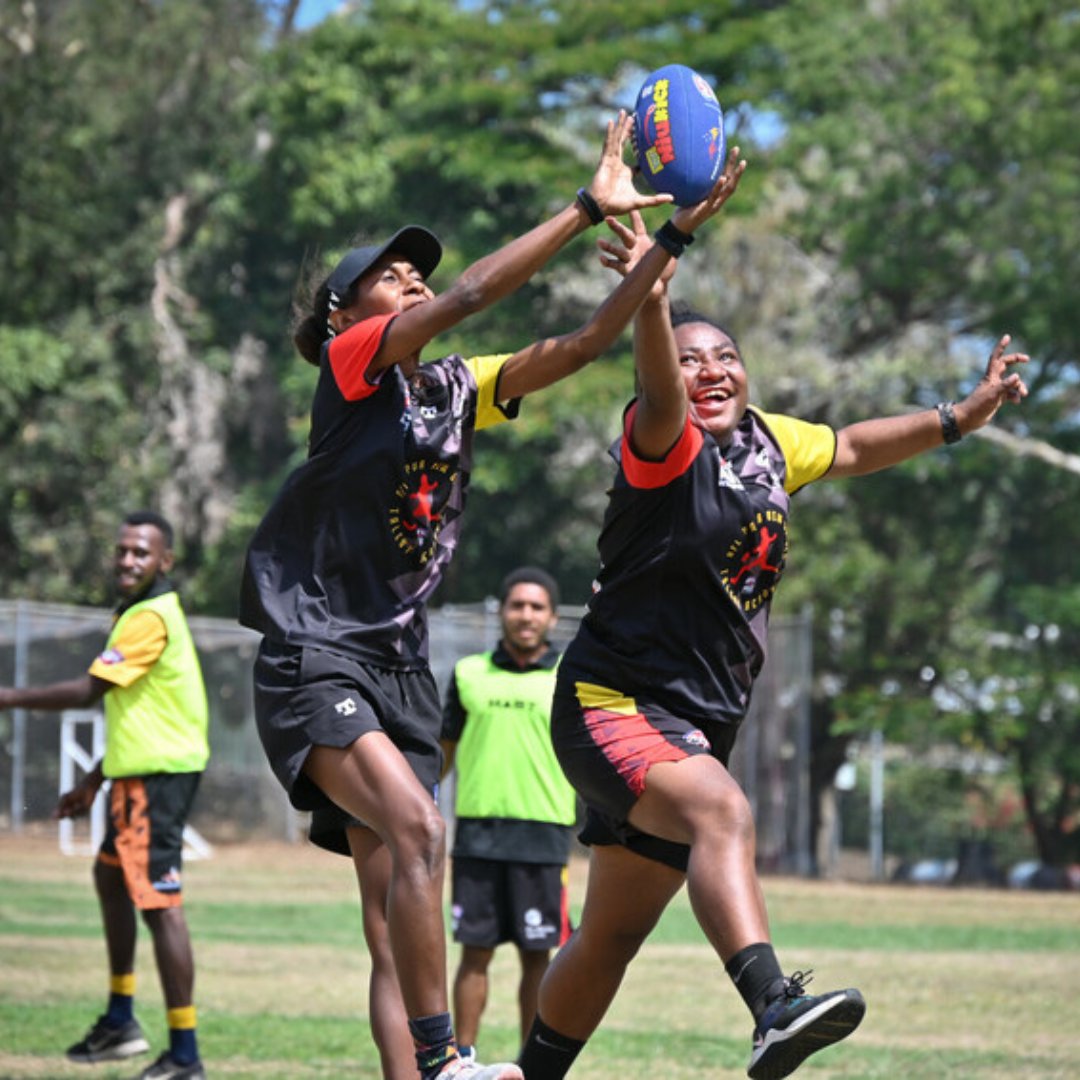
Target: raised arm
495, 276
871, 445
662, 405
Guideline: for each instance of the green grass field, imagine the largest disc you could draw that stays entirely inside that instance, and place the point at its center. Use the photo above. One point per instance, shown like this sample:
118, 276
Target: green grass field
960, 983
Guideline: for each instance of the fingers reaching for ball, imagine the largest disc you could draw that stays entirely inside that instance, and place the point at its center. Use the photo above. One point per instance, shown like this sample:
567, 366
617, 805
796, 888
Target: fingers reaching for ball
997, 386
997, 370
688, 218
612, 186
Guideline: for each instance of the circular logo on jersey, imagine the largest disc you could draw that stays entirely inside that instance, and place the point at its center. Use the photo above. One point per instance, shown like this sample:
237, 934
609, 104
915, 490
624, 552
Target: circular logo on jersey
533, 917
755, 560
416, 509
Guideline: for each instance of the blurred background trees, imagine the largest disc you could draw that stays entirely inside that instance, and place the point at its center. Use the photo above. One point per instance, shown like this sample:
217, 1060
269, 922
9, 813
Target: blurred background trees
167, 172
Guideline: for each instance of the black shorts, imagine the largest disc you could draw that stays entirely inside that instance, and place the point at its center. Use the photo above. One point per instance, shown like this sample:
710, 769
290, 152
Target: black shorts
525, 903
308, 697
606, 749
327, 829
144, 835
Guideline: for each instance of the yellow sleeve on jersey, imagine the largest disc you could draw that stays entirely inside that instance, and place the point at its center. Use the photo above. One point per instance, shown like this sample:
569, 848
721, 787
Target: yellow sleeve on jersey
134, 651
809, 449
486, 370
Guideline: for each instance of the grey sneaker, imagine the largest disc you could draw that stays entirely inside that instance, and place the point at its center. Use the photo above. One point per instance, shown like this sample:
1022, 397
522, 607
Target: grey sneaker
460, 1068
797, 1024
167, 1069
106, 1043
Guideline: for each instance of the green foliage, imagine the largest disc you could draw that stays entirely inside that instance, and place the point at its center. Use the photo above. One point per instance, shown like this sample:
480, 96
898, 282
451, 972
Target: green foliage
940, 157
172, 175
931, 808
107, 110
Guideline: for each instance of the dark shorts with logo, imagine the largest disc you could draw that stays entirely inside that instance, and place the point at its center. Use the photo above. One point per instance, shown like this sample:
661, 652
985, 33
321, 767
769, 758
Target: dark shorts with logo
309, 697
144, 835
525, 903
606, 754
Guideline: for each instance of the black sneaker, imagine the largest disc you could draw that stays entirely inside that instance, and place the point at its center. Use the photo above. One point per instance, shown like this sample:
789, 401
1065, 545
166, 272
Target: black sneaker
167, 1069
103, 1042
797, 1024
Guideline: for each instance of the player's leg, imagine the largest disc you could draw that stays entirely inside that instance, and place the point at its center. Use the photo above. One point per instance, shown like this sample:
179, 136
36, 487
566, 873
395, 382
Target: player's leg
173, 954
151, 853
534, 963
389, 1022
372, 781
480, 919
697, 802
624, 898
537, 909
470, 994
116, 1034
117, 916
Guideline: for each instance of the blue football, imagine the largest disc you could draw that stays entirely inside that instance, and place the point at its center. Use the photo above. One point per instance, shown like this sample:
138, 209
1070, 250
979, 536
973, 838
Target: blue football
679, 134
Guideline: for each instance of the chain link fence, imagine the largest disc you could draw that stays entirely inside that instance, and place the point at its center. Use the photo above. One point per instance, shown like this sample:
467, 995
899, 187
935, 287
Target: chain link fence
240, 798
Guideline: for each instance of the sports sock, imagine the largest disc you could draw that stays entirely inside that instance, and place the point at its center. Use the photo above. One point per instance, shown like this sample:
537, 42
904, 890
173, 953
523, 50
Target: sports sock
183, 1044
433, 1037
756, 973
547, 1055
121, 1007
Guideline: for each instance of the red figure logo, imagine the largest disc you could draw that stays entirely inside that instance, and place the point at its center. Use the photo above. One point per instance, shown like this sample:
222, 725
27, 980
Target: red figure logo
421, 505
759, 558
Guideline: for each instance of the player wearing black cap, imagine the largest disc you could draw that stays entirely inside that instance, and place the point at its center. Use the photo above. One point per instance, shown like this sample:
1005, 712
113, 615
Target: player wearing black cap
339, 571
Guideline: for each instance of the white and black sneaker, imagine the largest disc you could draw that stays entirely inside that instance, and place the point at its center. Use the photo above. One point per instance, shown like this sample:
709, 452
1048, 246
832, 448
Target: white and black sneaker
167, 1069
105, 1042
797, 1024
460, 1068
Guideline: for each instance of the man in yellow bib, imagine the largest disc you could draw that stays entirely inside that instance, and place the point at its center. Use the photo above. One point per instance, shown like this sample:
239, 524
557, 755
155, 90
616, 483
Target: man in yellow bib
155, 752
514, 809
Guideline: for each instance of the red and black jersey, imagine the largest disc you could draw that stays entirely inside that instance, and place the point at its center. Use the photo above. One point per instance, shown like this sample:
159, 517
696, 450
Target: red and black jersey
360, 534
691, 551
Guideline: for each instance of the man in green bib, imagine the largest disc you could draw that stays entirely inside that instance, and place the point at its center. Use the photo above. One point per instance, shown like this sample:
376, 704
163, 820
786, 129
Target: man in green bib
514, 810
156, 749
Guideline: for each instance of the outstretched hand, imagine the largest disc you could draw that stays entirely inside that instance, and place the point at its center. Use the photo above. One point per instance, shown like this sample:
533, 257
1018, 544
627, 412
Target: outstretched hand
79, 800
613, 184
997, 386
625, 252
688, 218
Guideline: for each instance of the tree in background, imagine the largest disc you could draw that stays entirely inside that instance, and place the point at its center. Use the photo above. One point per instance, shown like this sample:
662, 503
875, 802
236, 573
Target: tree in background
115, 121
934, 169
166, 169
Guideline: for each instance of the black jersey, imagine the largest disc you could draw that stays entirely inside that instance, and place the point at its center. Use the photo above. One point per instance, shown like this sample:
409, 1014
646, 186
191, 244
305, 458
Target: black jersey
360, 534
691, 551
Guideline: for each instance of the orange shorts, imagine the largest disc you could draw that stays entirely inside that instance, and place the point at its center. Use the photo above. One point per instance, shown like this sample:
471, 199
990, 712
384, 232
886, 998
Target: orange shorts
145, 835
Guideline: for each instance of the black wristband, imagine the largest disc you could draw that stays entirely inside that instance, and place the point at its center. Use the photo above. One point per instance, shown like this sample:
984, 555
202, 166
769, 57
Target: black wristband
950, 429
590, 205
672, 239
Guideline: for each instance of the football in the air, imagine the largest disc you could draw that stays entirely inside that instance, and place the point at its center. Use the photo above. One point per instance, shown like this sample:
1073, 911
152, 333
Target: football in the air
679, 134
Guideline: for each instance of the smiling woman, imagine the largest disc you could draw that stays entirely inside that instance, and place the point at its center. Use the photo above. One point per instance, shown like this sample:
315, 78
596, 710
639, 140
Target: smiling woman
652, 690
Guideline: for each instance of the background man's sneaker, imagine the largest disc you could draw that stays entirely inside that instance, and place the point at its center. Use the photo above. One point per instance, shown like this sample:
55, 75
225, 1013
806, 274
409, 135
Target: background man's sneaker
105, 1043
797, 1024
167, 1069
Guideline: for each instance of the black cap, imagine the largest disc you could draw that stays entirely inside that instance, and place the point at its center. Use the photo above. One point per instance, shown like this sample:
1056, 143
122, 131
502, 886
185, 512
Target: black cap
417, 244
